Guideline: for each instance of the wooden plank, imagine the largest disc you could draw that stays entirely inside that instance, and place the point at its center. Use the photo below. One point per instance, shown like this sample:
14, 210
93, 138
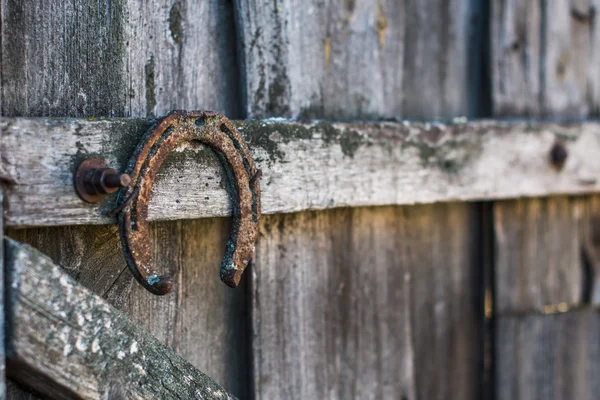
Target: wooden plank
117, 58
546, 254
367, 303
544, 58
355, 60
3, 388
516, 57
14, 391
186, 320
548, 356
134, 58
305, 166
180, 55
66, 342
538, 254
591, 251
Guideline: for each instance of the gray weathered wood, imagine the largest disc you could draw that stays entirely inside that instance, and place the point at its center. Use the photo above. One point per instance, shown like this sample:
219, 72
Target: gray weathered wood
312, 166
117, 58
202, 320
546, 254
541, 357
591, 250
3, 388
355, 59
14, 391
538, 254
66, 342
367, 303
135, 58
516, 57
544, 58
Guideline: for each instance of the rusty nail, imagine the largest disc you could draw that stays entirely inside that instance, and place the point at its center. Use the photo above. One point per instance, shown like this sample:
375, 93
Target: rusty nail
94, 180
558, 155
121, 206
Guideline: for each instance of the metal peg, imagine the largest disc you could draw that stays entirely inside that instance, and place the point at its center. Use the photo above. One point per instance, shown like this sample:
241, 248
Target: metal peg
94, 180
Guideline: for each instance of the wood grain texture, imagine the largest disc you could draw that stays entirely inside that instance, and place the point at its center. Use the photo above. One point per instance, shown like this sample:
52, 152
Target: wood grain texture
305, 166
548, 356
546, 254
202, 320
68, 343
3, 386
349, 60
544, 58
117, 58
516, 57
538, 254
133, 58
14, 391
367, 303
591, 251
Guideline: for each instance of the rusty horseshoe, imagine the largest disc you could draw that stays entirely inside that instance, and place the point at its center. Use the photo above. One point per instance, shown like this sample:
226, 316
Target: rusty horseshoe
164, 136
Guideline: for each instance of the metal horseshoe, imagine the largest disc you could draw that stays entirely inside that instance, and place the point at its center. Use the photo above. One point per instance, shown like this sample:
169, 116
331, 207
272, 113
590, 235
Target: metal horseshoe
163, 137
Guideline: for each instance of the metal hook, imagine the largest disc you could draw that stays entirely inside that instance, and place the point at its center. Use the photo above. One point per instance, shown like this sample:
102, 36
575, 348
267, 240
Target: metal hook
167, 134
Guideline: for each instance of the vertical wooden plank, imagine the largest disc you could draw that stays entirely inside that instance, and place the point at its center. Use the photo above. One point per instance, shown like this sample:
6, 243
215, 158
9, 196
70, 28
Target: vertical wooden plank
591, 252
367, 303
538, 254
565, 62
545, 338
545, 64
342, 299
548, 356
63, 58
180, 54
355, 59
516, 57
136, 58
435, 61
3, 388
117, 58
543, 56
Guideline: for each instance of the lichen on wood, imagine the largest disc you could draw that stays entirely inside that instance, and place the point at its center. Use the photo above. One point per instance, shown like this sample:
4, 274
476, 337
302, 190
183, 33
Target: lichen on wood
67, 342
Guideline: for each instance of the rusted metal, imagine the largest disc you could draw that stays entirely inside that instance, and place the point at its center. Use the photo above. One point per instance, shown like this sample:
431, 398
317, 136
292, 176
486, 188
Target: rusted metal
122, 205
558, 155
94, 180
164, 136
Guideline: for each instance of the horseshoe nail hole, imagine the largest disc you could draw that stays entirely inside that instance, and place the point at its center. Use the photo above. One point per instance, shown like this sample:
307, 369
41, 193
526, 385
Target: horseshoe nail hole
224, 128
200, 122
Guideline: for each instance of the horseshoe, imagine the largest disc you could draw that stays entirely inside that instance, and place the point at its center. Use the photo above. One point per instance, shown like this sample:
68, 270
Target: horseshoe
164, 136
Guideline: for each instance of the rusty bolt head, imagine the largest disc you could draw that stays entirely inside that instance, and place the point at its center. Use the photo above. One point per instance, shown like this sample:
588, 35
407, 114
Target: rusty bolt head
94, 180
558, 155
105, 181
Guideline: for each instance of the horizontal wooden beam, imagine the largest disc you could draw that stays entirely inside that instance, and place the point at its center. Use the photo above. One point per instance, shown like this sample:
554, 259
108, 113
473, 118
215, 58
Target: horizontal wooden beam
305, 165
67, 343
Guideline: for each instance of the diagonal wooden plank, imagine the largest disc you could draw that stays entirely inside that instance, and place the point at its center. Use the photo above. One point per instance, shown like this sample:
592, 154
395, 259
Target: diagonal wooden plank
66, 342
305, 166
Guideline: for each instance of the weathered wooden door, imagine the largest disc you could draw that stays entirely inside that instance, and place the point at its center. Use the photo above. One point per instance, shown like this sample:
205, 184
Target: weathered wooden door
388, 264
